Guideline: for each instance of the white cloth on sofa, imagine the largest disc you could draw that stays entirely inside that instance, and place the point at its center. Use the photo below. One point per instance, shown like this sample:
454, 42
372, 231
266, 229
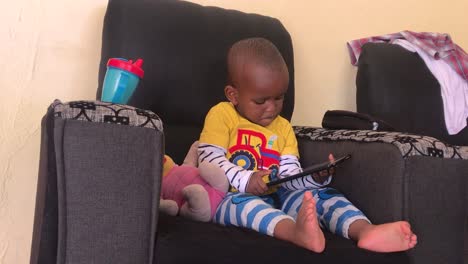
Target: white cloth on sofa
454, 89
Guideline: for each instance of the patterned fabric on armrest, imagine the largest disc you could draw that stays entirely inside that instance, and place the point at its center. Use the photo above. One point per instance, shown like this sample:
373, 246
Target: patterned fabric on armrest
103, 112
408, 144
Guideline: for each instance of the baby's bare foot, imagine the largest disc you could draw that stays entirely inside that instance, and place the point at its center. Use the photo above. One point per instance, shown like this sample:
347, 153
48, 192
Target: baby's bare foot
391, 237
308, 233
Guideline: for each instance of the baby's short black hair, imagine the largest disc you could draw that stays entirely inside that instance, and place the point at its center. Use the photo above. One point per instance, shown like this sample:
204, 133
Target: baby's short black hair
256, 50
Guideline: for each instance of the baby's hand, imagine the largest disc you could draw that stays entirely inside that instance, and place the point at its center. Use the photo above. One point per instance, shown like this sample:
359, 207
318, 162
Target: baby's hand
256, 184
323, 176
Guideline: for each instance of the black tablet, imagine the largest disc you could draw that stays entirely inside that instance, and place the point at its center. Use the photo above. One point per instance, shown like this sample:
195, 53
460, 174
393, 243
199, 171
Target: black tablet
312, 169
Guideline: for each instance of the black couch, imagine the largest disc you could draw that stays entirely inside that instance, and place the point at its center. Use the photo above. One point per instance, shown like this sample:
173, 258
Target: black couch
395, 85
184, 45
390, 176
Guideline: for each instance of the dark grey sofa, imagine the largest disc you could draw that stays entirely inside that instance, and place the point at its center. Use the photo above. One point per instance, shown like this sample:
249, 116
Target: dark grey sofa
396, 176
184, 45
395, 85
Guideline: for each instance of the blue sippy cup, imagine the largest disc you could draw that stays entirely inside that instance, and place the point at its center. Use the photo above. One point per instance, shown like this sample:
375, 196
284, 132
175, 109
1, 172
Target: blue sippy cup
121, 79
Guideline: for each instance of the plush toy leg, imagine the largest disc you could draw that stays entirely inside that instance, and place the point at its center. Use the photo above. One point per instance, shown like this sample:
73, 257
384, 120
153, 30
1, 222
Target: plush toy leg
197, 206
168, 206
214, 176
192, 155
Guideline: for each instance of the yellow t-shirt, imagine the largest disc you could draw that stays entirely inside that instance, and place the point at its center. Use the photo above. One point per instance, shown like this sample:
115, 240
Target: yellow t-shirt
249, 145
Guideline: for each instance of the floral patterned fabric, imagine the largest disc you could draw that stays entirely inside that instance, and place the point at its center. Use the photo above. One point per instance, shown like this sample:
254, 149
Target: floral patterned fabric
408, 144
103, 112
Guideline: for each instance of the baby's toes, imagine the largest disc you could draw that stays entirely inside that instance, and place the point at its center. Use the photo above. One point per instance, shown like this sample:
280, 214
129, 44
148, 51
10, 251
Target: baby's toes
406, 228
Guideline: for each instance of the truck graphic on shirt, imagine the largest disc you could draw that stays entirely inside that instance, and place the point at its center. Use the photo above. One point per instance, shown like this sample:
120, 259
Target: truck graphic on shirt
252, 151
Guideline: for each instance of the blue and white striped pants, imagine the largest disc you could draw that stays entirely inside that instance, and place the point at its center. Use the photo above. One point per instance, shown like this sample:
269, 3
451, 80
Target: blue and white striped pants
260, 213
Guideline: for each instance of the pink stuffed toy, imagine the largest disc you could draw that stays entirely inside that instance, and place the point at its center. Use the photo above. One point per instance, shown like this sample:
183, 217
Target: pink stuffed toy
191, 191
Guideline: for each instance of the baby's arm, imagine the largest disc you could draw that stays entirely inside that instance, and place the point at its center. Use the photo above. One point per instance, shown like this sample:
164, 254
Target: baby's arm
238, 177
289, 165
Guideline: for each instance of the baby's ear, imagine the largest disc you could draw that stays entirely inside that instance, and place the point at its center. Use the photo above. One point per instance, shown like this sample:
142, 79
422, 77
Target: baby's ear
231, 94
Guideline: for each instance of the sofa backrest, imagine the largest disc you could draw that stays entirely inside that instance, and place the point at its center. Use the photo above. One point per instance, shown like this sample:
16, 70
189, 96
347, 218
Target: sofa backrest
395, 85
184, 48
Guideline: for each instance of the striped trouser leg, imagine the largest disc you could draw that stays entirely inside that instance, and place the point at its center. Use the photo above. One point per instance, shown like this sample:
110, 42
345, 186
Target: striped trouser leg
334, 211
249, 211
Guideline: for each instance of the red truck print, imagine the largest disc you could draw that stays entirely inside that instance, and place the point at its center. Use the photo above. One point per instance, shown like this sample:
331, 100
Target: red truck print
253, 152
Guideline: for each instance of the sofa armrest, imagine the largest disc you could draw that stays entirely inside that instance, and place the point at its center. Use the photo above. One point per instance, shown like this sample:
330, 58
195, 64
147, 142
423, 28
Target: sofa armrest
397, 176
375, 170
98, 185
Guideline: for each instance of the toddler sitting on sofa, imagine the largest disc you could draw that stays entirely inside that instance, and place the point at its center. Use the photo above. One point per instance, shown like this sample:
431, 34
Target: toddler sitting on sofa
248, 139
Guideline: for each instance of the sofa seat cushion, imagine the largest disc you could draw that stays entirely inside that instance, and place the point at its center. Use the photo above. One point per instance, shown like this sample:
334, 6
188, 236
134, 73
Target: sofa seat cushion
180, 240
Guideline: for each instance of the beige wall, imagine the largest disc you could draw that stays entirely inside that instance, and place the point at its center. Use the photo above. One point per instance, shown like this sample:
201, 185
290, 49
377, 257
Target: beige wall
320, 29
50, 49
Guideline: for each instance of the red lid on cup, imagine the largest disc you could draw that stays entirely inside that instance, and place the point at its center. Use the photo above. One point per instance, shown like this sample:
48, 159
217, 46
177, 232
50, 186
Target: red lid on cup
129, 66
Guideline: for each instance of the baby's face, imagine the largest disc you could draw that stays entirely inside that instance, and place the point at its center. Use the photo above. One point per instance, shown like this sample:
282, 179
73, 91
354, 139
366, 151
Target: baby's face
260, 93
